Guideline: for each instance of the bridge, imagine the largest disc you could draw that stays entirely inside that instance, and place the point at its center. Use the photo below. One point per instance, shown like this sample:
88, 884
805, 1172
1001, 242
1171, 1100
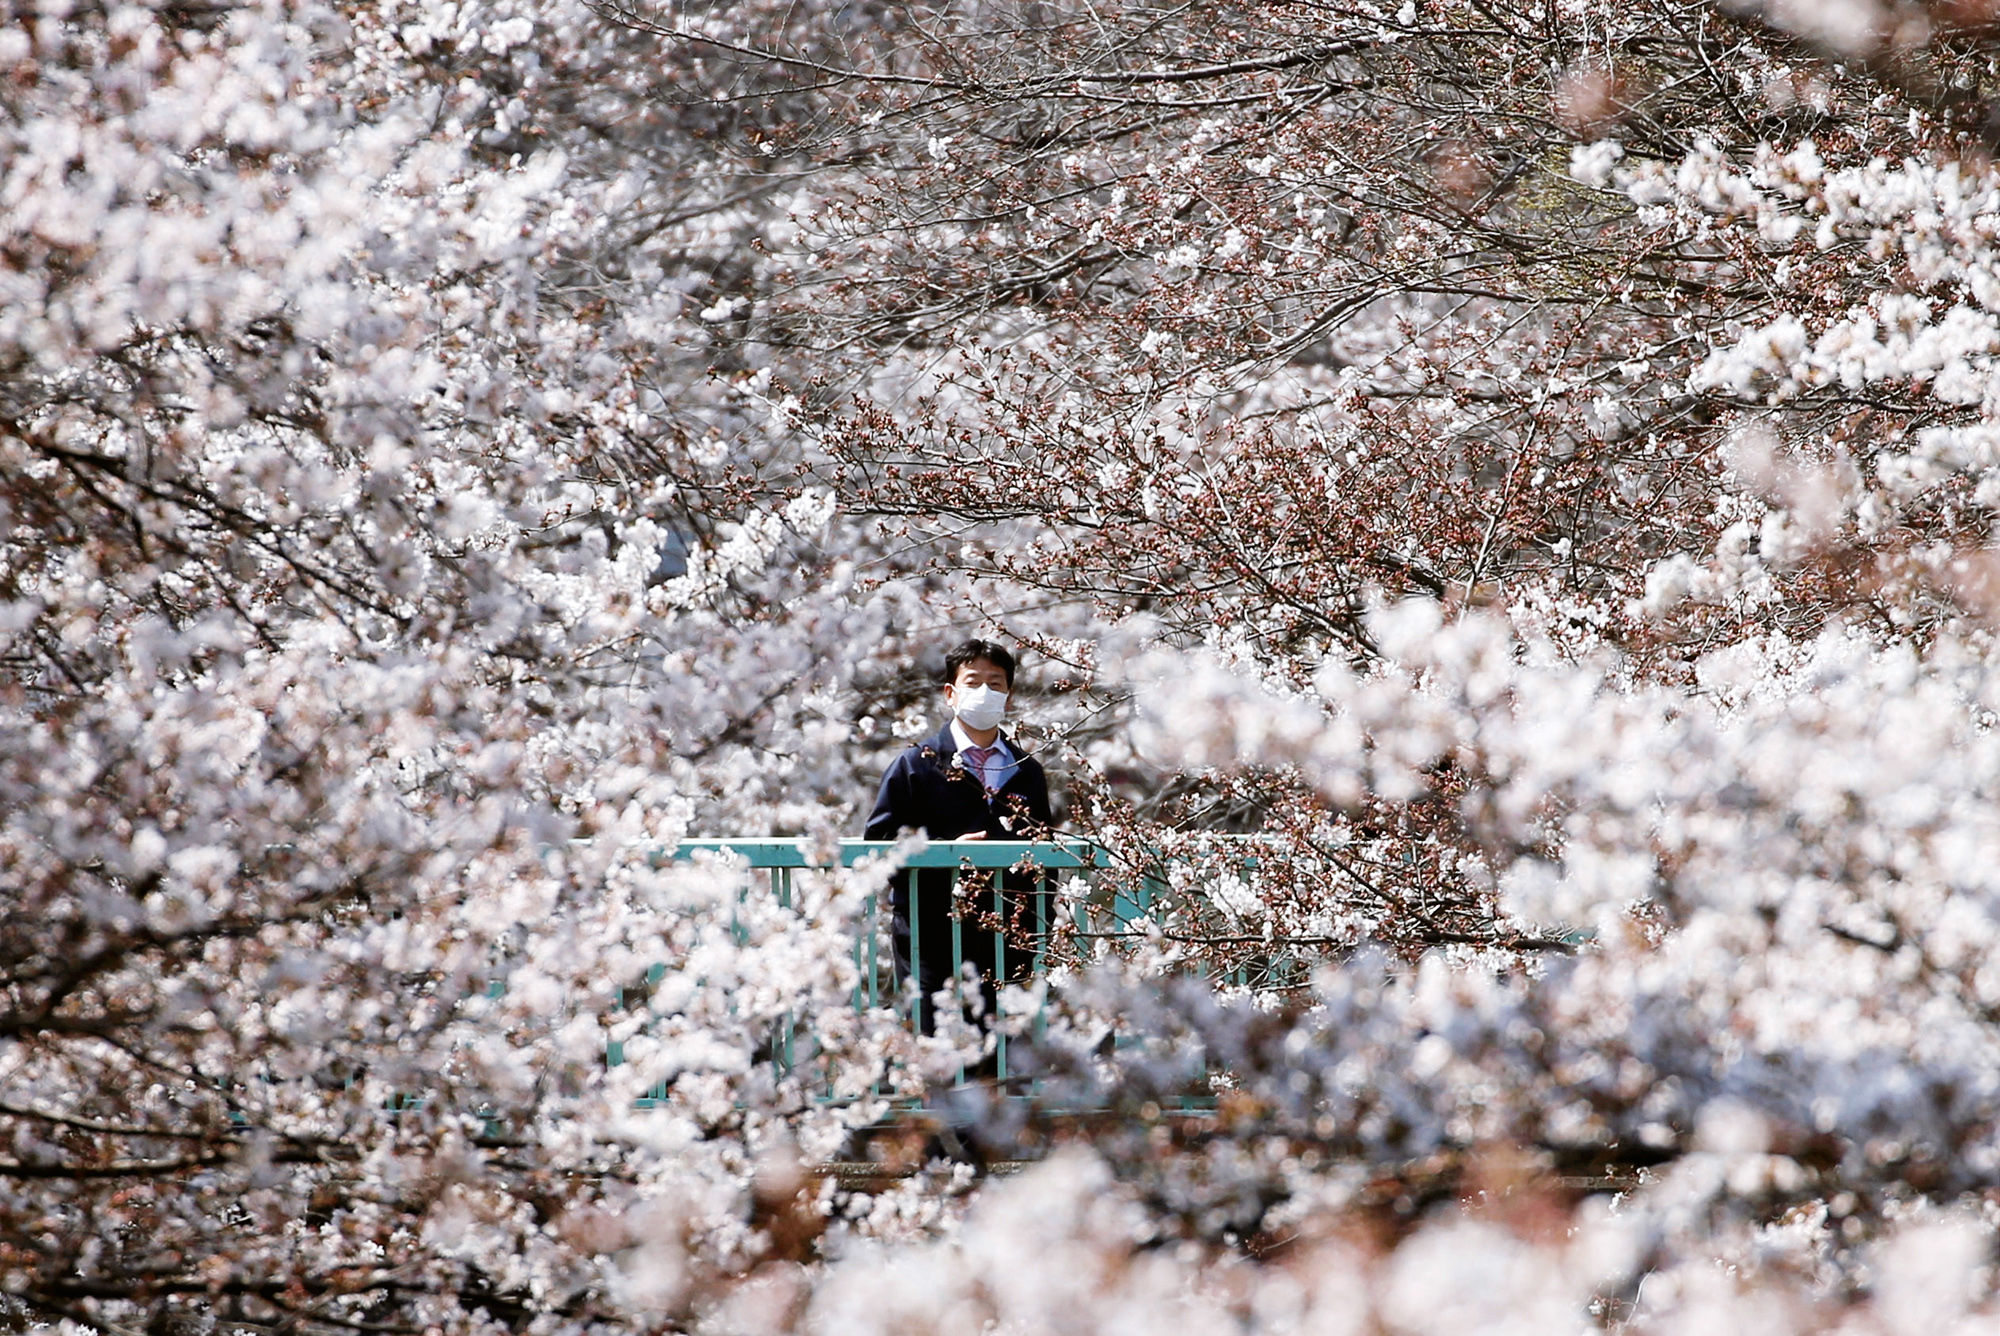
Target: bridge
1028, 922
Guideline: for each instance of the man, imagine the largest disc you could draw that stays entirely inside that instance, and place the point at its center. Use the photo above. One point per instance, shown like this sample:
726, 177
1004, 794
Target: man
966, 782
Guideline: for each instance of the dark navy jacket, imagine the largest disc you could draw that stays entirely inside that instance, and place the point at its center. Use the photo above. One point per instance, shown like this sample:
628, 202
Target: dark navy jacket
924, 790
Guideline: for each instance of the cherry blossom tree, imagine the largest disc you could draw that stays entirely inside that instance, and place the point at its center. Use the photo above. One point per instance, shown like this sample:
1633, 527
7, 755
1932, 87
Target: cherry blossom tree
1250, 319
386, 585
1527, 468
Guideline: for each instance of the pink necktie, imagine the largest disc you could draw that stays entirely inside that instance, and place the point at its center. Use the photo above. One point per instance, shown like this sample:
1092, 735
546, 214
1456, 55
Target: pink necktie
976, 759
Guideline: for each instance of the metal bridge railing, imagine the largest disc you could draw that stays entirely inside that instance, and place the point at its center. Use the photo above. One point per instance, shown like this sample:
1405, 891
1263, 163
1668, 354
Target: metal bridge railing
997, 900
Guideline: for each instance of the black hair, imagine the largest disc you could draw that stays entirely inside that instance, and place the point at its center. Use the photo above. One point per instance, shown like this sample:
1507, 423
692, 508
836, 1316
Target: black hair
997, 655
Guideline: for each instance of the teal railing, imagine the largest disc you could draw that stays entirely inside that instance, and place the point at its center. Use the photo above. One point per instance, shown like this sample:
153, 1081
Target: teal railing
1004, 891
780, 855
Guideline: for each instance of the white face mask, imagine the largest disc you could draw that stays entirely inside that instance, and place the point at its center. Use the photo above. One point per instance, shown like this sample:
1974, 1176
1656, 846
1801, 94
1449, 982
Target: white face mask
978, 707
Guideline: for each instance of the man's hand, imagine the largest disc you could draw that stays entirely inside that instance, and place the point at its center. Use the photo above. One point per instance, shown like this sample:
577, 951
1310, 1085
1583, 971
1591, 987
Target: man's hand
976, 835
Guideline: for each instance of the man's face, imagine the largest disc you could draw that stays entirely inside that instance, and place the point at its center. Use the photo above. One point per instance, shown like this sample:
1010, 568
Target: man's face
977, 673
